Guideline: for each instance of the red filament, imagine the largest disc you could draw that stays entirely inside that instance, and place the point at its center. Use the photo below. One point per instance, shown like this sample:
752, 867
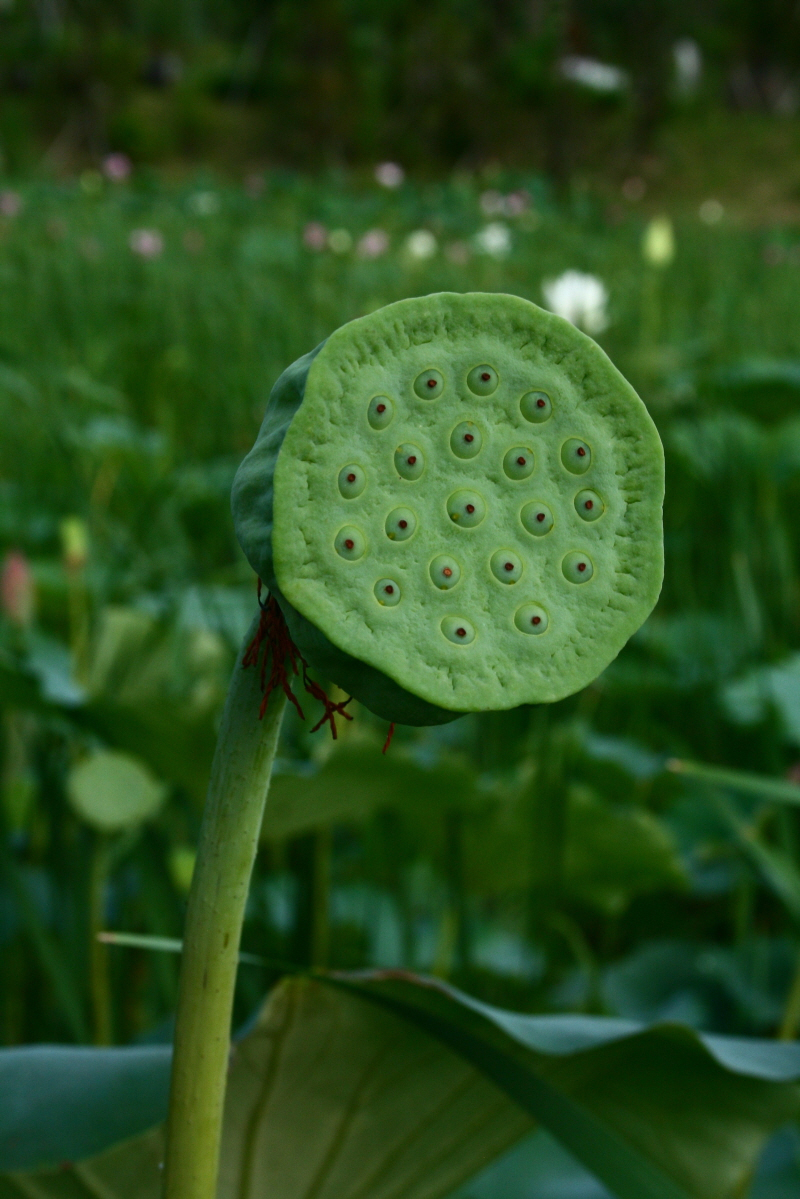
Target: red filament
509, 566
461, 632
388, 740
486, 376
349, 543
447, 572
520, 461
536, 620
540, 516
381, 408
470, 508
351, 478
539, 404
589, 504
403, 524
274, 638
581, 567
468, 437
389, 589
412, 460
581, 452
431, 383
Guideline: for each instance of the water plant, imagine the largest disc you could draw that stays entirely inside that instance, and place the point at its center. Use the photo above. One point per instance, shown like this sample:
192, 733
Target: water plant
455, 504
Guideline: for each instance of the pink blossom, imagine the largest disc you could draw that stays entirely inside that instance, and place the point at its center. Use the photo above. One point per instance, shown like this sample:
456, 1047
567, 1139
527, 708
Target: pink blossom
18, 589
374, 243
147, 243
117, 167
315, 236
10, 203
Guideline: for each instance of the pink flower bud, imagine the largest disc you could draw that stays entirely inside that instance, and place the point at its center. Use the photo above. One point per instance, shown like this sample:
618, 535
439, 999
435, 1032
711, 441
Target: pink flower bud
18, 589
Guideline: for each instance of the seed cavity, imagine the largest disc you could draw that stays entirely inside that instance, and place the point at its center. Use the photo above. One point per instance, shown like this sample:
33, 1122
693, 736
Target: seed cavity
576, 456
577, 568
589, 505
445, 572
350, 543
506, 566
352, 481
466, 440
536, 406
408, 461
387, 592
380, 412
532, 619
518, 462
458, 630
537, 519
429, 385
466, 508
401, 523
482, 380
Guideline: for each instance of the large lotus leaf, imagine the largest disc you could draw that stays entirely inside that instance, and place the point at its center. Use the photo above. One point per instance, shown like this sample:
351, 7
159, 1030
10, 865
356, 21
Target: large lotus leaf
382, 1085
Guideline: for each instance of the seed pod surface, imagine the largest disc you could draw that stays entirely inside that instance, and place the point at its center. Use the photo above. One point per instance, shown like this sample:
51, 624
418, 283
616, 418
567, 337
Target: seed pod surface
477, 514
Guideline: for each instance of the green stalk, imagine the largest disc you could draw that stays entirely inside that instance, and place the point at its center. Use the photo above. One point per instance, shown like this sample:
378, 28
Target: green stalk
240, 778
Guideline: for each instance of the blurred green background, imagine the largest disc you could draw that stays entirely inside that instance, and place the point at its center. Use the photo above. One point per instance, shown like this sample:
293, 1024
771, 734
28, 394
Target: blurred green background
193, 195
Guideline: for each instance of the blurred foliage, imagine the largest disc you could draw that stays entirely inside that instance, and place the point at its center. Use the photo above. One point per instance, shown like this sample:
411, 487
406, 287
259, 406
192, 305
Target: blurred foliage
333, 81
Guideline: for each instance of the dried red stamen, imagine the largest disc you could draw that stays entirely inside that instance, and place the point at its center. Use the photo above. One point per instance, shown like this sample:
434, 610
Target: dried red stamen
273, 636
403, 524
381, 408
509, 566
521, 461
412, 459
349, 543
351, 478
536, 620
389, 589
468, 437
388, 740
447, 572
540, 516
486, 376
470, 508
539, 404
589, 504
461, 632
431, 383
581, 566
581, 452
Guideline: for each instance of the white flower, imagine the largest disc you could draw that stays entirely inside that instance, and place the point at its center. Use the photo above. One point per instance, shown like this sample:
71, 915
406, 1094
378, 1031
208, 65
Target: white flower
494, 239
711, 212
389, 174
658, 243
203, 203
421, 244
374, 243
147, 243
579, 298
340, 241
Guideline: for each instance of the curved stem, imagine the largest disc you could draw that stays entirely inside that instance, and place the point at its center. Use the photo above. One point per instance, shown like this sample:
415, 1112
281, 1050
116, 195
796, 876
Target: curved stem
228, 841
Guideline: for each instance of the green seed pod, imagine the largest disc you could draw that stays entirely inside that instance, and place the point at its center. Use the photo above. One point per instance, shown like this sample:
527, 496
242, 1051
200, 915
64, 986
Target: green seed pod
429, 648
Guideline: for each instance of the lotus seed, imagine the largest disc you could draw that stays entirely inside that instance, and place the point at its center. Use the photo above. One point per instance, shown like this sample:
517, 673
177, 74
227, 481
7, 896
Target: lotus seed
380, 412
458, 630
429, 385
536, 407
577, 568
576, 456
401, 523
350, 543
409, 461
387, 592
531, 618
445, 572
537, 519
482, 380
589, 506
506, 566
352, 481
518, 463
466, 509
466, 440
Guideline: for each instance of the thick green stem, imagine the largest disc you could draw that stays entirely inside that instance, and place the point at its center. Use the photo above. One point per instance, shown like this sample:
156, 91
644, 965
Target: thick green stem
228, 841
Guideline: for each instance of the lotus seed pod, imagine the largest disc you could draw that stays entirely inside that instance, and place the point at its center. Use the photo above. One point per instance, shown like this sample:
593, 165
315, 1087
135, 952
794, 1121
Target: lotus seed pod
546, 590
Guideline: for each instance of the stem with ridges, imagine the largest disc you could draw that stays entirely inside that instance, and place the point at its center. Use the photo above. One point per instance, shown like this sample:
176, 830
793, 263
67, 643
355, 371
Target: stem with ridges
228, 842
